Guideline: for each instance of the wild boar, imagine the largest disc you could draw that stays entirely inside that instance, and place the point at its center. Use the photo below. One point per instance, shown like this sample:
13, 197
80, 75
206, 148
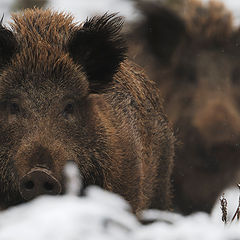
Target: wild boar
194, 56
68, 93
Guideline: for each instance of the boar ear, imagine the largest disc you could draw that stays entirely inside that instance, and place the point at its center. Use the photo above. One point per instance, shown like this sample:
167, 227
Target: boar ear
8, 45
161, 28
99, 48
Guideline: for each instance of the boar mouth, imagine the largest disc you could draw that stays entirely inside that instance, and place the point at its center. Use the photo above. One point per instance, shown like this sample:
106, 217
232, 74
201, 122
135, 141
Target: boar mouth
38, 181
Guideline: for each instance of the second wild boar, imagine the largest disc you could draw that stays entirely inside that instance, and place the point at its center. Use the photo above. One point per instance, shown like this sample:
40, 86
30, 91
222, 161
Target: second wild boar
194, 56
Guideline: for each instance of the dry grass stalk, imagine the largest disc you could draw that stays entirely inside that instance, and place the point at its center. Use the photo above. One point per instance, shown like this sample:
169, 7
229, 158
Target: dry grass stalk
237, 213
224, 208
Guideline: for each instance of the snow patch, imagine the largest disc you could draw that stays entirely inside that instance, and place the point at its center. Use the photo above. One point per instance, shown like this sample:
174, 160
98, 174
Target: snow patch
83, 9
103, 215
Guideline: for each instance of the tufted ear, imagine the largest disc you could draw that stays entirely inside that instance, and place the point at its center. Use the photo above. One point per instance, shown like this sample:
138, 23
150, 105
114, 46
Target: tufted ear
8, 45
161, 28
99, 48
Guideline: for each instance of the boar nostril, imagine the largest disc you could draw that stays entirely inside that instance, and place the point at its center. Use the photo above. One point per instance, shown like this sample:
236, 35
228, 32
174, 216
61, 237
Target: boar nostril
48, 186
29, 185
37, 182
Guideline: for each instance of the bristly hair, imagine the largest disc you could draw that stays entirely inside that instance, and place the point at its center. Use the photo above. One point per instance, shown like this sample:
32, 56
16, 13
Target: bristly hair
99, 48
8, 44
209, 25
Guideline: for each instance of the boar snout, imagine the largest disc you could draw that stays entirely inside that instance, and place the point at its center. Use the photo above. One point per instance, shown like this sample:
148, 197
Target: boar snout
218, 121
38, 181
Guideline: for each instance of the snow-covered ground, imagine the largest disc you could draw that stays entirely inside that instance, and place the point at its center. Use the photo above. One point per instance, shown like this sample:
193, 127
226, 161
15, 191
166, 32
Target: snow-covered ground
101, 215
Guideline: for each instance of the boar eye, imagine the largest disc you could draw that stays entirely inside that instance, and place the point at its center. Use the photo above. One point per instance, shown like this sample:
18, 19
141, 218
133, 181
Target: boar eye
68, 109
14, 108
186, 73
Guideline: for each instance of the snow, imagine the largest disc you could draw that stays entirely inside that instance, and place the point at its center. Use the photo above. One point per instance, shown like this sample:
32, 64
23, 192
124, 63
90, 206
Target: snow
103, 215
83, 9
4, 8
73, 178
87, 8
69, 217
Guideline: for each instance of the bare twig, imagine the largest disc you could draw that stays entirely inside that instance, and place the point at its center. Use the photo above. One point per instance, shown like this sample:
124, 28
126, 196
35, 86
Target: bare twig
224, 208
237, 213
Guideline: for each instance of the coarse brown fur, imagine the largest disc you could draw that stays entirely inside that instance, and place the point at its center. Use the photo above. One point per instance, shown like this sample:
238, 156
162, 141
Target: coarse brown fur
194, 55
68, 93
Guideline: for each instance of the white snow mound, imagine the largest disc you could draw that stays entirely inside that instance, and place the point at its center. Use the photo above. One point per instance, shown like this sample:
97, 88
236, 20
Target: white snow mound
101, 215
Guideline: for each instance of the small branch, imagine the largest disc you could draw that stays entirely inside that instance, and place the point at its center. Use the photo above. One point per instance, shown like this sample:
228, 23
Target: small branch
224, 208
237, 213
